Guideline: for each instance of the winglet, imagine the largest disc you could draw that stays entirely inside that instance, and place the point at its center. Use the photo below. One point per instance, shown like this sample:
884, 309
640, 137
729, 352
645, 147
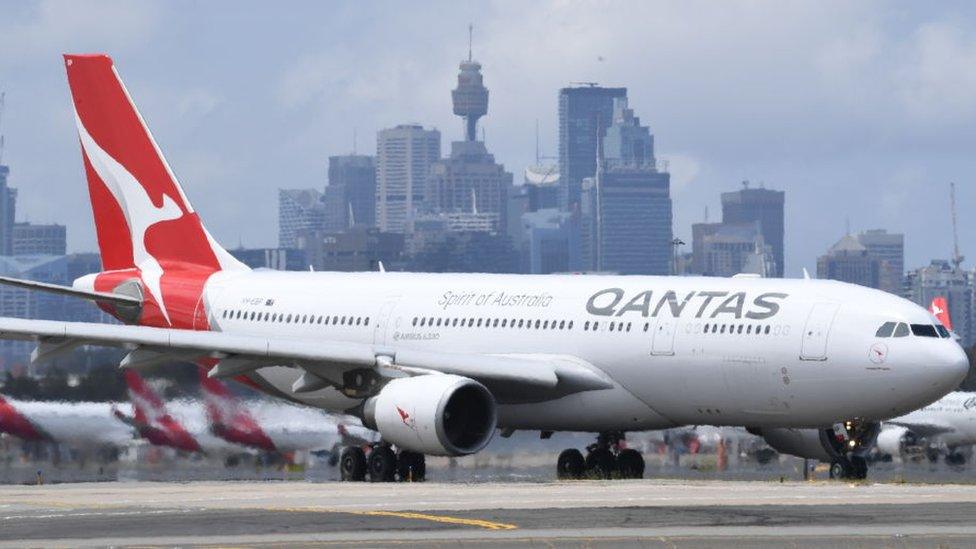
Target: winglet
806, 274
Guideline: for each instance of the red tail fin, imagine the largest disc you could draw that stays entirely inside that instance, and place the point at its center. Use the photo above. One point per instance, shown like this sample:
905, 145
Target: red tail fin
228, 419
940, 310
153, 420
146, 227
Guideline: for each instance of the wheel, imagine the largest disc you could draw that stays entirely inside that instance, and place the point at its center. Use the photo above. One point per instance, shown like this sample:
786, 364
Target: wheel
600, 463
630, 463
840, 469
570, 464
352, 464
411, 467
955, 458
382, 464
859, 468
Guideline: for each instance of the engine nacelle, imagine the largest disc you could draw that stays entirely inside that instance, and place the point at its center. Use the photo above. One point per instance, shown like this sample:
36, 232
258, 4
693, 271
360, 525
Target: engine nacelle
893, 440
851, 437
437, 414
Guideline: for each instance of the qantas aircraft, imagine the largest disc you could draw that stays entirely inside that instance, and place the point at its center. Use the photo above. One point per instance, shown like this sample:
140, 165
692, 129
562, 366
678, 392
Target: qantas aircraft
437, 362
944, 426
82, 425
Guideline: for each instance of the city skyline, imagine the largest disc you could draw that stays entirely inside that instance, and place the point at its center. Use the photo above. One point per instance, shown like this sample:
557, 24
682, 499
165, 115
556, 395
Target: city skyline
868, 119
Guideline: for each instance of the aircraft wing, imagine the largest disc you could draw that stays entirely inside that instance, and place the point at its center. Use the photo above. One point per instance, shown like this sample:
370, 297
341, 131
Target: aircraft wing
510, 377
924, 429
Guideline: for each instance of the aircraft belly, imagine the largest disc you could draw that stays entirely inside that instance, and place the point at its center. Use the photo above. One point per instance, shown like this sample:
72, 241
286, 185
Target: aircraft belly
606, 410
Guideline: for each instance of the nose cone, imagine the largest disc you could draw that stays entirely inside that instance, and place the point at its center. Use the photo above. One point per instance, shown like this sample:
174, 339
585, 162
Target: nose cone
952, 366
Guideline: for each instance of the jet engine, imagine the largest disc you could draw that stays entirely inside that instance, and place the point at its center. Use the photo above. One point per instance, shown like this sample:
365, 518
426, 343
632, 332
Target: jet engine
893, 441
842, 439
437, 414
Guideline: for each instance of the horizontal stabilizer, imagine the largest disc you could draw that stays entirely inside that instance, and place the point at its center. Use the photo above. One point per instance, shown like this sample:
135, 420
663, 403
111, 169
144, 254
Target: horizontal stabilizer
105, 297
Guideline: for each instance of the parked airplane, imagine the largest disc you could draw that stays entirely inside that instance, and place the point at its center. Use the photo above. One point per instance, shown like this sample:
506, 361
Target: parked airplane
946, 425
436, 362
82, 425
277, 427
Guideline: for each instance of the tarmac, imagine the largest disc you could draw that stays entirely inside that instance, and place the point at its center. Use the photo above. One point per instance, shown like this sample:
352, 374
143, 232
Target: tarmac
664, 513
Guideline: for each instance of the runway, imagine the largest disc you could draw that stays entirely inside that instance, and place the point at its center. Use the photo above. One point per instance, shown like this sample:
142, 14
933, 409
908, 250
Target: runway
619, 513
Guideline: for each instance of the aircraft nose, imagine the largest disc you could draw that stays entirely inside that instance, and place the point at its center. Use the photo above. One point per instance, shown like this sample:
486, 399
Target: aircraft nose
952, 365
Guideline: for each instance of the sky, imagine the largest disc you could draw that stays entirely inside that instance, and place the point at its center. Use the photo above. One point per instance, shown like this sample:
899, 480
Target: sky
863, 112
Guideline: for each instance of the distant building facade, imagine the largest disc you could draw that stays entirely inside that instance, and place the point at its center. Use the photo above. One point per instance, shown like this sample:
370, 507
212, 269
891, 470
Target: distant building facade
759, 205
404, 155
941, 279
585, 112
357, 249
350, 198
279, 259
8, 210
873, 258
889, 249
33, 239
545, 248
728, 249
298, 210
470, 181
626, 211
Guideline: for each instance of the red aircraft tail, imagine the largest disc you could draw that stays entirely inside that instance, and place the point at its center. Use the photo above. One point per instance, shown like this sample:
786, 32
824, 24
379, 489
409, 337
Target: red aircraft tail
151, 418
940, 310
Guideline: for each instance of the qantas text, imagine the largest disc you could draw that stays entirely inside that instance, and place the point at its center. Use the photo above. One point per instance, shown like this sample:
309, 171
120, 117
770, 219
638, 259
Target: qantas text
704, 304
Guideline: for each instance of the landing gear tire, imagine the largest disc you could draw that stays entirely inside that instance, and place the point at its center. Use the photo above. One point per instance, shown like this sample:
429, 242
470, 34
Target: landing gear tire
411, 467
630, 464
600, 463
853, 468
352, 464
570, 464
382, 464
955, 458
840, 469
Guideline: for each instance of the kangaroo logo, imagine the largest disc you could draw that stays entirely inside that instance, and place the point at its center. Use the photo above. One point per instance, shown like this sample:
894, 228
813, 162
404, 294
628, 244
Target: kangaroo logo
140, 212
405, 418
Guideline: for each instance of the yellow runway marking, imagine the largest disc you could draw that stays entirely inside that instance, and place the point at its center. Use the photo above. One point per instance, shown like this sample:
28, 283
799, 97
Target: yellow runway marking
487, 524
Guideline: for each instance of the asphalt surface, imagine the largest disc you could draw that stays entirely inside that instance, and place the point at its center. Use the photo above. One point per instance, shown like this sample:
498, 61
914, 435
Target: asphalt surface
594, 514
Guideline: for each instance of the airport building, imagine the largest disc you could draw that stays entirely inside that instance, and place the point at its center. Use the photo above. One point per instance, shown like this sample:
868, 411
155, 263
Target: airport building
759, 205
404, 155
350, 197
8, 209
298, 210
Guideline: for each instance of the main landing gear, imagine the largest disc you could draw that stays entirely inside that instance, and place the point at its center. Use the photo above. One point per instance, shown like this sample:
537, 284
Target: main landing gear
605, 459
853, 467
382, 464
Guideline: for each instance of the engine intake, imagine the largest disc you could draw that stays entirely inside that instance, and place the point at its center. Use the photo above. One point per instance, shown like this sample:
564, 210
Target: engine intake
435, 414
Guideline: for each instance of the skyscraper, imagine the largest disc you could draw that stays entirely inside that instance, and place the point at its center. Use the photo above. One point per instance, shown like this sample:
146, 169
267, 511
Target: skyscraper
941, 279
350, 198
728, 249
8, 209
584, 114
890, 249
762, 205
626, 211
298, 209
849, 261
404, 155
470, 182
31, 239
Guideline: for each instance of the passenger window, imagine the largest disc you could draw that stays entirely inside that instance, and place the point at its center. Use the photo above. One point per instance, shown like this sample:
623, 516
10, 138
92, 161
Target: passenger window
749, 329
767, 330
335, 320
901, 330
586, 326
924, 330
570, 325
611, 326
366, 321
739, 331
628, 326
722, 330
562, 324
885, 330
596, 325
647, 326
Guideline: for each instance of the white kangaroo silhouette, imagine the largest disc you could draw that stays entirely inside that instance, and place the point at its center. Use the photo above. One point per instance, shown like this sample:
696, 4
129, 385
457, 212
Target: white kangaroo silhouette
140, 212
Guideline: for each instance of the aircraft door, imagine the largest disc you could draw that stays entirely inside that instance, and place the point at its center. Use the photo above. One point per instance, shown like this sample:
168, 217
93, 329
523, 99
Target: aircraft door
662, 340
383, 321
817, 331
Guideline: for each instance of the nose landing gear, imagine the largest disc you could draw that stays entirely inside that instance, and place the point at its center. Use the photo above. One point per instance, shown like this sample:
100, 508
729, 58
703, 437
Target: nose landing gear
605, 459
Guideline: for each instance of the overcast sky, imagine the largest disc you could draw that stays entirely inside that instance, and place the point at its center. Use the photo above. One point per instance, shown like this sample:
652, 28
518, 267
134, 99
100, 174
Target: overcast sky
860, 111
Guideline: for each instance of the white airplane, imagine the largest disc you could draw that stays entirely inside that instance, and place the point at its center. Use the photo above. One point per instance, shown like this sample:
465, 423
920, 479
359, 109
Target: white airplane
437, 362
80, 425
947, 424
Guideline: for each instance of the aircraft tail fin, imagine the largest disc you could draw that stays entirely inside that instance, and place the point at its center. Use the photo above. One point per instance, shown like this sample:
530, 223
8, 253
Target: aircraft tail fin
940, 310
152, 419
142, 216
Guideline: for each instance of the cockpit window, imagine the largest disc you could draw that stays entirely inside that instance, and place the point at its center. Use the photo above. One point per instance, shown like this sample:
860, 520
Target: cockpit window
901, 330
886, 329
924, 330
943, 331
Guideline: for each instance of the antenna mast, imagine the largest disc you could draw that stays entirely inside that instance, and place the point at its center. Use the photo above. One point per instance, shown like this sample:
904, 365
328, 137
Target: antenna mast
957, 259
